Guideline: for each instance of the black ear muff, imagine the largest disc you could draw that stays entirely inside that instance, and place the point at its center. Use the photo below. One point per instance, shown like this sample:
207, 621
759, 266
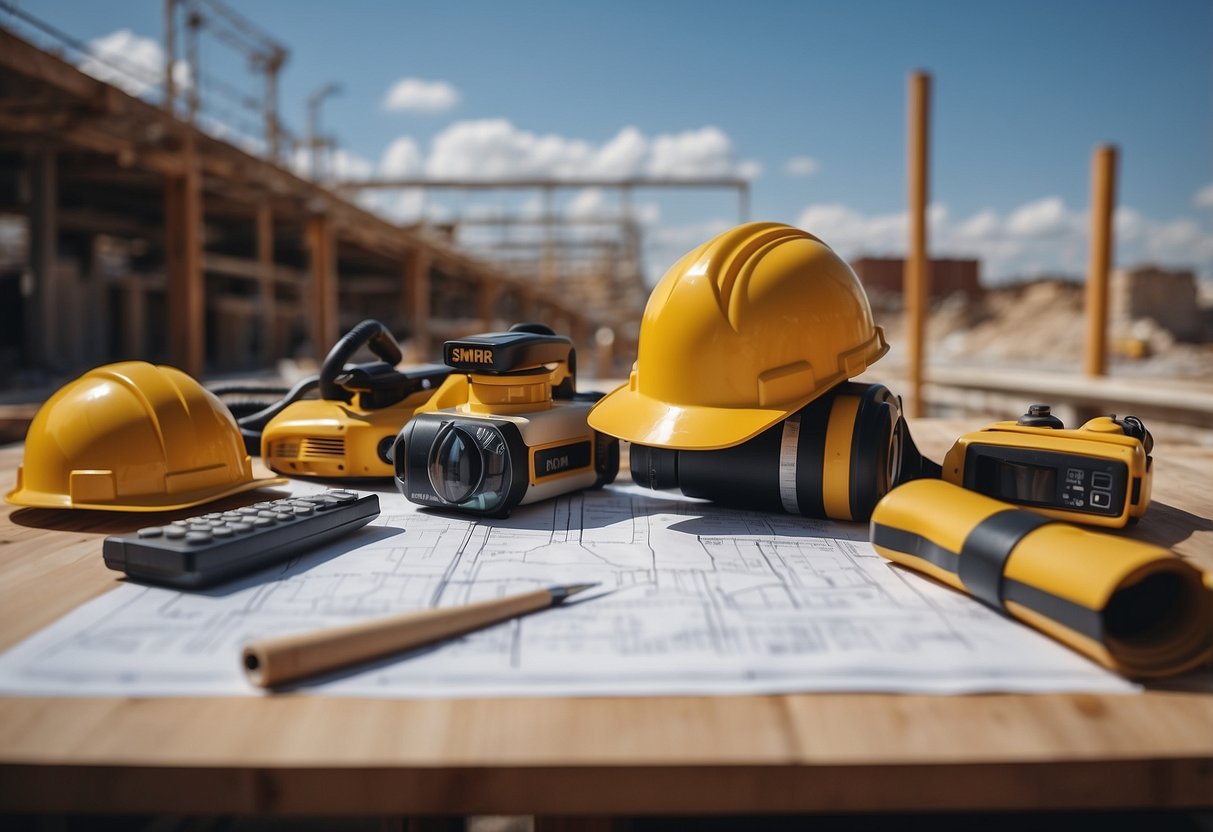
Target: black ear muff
875, 446
835, 457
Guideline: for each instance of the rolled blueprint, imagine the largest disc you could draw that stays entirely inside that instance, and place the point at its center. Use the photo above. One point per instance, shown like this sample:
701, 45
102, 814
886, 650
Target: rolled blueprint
1136, 608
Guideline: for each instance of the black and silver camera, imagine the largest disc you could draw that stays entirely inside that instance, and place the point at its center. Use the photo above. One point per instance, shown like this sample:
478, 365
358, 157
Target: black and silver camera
506, 429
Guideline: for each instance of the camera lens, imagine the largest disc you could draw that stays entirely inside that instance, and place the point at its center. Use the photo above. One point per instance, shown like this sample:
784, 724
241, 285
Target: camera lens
456, 465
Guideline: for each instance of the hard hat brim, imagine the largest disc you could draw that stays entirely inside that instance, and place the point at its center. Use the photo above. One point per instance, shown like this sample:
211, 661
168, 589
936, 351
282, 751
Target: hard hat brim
628, 414
151, 502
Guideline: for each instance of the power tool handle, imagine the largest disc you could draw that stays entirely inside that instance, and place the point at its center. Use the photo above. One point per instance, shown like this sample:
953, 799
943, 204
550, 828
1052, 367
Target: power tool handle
370, 332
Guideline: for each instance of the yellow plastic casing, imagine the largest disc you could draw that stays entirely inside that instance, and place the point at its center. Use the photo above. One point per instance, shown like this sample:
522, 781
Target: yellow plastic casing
318, 438
1099, 438
133, 436
739, 334
1075, 585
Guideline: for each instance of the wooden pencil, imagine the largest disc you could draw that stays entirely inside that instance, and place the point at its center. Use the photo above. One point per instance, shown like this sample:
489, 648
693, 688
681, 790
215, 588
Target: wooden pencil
277, 661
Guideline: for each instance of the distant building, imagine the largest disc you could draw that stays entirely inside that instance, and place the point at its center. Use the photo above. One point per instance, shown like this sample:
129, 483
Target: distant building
1169, 298
948, 276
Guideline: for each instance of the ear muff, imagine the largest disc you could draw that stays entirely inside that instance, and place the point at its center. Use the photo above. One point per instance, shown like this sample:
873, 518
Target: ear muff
865, 418
834, 458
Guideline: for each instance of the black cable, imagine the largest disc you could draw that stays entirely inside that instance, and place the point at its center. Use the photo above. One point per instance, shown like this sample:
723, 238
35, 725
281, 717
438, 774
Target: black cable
259, 419
370, 332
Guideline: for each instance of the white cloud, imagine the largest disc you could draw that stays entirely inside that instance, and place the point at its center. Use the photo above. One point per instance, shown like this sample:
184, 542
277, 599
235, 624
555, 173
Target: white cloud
1045, 217
338, 165
801, 166
749, 169
621, 156
343, 165
852, 233
1128, 225
1204, 197
588, 202
421, 96
1040, 237
401, 159
132, 63
496, 149
703, 152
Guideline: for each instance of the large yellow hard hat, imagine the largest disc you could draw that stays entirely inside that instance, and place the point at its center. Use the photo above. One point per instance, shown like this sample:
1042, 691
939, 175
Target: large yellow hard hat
741, 332
133, 437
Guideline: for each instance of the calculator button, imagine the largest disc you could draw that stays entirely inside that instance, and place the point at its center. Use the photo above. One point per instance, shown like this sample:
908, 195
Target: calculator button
198, 537
151, 531
222, 531
174, 532
241, 527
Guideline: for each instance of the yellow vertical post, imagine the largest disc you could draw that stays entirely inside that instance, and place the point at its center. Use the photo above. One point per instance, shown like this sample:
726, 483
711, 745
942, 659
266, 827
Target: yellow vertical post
183, 256
1103, 205
917, 278
322, 254
266, 291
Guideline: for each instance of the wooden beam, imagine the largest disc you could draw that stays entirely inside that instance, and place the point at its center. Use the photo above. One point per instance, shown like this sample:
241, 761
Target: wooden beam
917, 282
417, 282
42, 311
146, 138
242, 267
183, 256
490, 291
265, 290
322, 254
134, 319
368, 284
1103, 205
527, 183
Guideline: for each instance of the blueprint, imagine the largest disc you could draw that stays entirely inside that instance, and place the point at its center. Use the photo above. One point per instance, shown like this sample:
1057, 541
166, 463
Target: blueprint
694, 599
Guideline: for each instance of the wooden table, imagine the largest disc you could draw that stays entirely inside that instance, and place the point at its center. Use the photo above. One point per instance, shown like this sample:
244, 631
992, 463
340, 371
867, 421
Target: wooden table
590, 757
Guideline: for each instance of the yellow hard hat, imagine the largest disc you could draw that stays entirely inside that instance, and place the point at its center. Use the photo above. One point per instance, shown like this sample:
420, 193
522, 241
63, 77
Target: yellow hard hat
133, 437
741, 332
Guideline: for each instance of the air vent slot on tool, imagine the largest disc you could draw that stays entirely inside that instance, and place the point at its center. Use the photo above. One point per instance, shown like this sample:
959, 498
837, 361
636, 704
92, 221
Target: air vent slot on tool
324, 448
285, 450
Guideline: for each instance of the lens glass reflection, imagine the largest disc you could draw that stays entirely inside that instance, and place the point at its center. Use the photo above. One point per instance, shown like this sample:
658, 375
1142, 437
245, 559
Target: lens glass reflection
456, 465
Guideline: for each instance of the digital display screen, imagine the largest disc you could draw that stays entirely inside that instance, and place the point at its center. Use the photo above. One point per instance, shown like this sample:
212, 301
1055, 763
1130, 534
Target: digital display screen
1016, 481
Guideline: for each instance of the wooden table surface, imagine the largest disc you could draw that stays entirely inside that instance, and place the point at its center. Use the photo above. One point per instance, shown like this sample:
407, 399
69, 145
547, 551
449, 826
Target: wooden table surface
298, 753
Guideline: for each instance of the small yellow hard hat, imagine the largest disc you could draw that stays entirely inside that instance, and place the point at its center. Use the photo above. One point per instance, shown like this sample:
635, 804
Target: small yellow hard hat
133, 437
741, 332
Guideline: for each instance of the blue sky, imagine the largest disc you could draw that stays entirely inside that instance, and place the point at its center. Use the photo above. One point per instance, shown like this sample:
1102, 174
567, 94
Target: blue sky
1023, 92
